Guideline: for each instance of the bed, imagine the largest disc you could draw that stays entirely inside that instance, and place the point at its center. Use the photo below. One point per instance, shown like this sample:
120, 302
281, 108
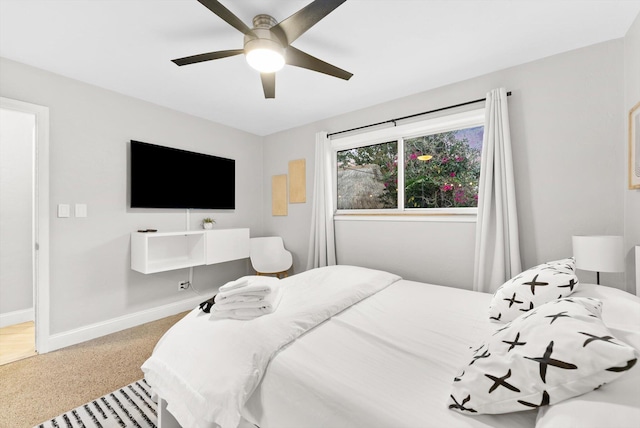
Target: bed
383, 356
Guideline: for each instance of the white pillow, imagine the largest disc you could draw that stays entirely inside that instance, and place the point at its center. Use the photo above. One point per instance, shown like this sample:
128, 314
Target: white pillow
532, 288
620, 310
560, 350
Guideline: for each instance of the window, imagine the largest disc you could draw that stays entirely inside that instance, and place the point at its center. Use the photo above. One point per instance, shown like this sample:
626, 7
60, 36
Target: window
368, 177
442, 170
428, 166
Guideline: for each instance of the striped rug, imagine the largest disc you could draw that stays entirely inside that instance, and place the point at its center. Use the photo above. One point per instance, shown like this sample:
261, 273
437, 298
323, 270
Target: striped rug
130, 406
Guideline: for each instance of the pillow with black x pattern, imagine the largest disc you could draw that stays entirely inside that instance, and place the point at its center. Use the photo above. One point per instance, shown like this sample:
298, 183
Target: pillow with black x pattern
532, 288
560, 350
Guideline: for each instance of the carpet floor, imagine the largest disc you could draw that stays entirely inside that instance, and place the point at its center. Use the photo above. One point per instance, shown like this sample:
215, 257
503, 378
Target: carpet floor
41, 387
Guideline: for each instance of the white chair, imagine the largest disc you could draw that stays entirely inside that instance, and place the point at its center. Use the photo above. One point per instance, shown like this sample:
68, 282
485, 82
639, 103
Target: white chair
269, 257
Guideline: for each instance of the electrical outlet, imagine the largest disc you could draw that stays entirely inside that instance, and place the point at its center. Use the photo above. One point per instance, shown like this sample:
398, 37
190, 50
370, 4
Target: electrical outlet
183, 285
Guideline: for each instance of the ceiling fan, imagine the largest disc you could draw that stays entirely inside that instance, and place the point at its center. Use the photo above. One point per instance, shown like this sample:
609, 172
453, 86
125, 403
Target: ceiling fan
267, 46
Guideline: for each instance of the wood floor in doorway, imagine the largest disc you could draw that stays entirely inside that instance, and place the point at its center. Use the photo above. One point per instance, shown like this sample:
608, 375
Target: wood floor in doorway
17, 342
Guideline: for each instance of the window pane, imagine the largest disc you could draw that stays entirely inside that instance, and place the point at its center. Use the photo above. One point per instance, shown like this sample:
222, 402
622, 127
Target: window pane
442, 170
368, 177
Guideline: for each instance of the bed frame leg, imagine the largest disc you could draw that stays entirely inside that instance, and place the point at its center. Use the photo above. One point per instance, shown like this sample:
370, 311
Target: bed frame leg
165, 418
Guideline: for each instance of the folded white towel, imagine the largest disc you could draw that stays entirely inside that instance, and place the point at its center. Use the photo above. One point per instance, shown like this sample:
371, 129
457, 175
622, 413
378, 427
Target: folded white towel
224, 306
249, 297
241, 298
256, 286
254, 290
244, 281
269, 305
232, 285
266, 302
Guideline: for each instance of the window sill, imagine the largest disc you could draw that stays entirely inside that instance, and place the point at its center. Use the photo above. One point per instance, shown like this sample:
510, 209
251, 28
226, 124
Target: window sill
411, 217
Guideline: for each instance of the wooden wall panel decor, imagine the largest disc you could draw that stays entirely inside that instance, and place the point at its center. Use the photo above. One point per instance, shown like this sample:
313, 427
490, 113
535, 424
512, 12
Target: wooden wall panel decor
279, 195
297, 181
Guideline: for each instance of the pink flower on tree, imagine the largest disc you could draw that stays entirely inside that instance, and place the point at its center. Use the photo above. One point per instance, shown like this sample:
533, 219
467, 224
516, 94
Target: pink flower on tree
413, 156
453, 174
445, 159
458, 158
447, 187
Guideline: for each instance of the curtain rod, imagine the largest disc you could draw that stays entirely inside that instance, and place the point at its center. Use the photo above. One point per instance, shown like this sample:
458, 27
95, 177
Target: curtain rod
411, 116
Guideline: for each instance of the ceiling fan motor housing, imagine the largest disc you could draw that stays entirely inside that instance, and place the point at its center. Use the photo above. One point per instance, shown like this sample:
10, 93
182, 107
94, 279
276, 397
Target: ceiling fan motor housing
263, 21
262, 37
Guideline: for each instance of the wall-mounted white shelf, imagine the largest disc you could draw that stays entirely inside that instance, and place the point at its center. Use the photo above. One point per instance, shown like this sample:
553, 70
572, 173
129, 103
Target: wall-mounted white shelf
161, 251
153, 252
224, 245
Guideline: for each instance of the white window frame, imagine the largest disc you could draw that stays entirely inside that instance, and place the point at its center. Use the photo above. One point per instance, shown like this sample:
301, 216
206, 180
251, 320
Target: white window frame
436, 125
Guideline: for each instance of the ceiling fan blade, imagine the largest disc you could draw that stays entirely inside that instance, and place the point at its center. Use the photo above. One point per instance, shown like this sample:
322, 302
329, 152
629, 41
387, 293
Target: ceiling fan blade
298, 58
207, 56
224, 13
295, 25
268, 84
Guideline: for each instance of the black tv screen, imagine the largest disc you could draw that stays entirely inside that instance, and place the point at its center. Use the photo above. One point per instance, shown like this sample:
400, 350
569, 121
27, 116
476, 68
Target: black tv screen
164, 177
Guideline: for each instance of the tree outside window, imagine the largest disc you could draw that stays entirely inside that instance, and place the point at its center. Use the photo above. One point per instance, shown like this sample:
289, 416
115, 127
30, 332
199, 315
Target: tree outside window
368, 177
442, 170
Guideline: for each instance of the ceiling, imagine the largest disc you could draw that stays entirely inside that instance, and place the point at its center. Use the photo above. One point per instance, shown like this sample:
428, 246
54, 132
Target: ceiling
394, 48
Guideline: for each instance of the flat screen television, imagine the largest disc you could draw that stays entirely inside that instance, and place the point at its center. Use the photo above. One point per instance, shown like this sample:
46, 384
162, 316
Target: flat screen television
164, 177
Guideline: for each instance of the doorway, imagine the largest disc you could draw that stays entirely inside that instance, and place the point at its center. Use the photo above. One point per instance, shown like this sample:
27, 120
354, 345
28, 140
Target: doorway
24, 229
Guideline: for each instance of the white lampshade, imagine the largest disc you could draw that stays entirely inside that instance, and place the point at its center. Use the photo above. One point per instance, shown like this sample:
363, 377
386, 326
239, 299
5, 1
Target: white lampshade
599, 253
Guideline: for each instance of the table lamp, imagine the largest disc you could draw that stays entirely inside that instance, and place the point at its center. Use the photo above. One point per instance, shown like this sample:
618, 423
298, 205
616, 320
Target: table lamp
600, 253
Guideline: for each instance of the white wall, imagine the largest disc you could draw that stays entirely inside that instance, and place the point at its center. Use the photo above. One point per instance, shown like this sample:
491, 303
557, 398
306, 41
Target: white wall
631, 197
16, 210
566, 121
91, 280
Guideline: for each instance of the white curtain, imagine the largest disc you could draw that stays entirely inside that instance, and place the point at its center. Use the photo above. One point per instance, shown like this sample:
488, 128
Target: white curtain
322, 247
497, 256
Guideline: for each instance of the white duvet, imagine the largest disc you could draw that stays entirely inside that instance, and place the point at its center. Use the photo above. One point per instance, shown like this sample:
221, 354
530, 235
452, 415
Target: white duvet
207, 369
387, 362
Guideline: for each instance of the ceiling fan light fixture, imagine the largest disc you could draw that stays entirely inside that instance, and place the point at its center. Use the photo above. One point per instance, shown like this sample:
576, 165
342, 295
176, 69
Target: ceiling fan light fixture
267, 46
266, 56
265, 60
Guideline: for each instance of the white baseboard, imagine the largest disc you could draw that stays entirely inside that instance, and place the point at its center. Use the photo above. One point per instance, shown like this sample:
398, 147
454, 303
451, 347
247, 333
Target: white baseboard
16, 317
92, 331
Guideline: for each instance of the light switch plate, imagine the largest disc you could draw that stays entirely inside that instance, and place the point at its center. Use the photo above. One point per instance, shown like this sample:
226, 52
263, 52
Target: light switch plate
81, 210
64, 210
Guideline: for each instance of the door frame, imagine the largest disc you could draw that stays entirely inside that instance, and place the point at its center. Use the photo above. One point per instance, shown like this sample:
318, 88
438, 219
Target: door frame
41, 217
